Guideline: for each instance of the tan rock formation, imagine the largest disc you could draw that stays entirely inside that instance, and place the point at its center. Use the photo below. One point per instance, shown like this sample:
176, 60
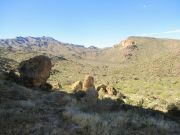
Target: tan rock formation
111, 90
77, 86
102, 87
128, 42
88, 83
35, 71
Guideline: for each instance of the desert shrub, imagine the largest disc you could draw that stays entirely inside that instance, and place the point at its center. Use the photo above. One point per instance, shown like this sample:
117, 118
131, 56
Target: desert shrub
116, 105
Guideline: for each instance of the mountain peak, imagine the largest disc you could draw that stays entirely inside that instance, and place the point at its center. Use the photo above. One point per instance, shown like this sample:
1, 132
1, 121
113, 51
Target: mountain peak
30, 38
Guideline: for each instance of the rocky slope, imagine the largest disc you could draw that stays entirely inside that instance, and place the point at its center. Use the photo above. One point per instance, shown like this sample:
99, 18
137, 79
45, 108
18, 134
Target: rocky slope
35, 111
141, 49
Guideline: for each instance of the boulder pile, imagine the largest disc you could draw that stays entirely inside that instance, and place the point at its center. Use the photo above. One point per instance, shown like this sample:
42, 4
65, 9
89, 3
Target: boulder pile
110, 90
91, 93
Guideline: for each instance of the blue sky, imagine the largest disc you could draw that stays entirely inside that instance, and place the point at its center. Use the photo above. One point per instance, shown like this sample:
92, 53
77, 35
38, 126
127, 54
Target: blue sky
90, 22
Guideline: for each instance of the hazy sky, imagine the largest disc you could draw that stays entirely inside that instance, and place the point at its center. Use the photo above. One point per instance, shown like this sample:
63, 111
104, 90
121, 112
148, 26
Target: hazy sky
90, 22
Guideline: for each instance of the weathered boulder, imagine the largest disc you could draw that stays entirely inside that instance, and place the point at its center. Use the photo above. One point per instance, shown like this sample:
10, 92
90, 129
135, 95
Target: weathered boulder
35, 71
111, 90
77, 86
88, 83
102, 87
89, 88
102, 93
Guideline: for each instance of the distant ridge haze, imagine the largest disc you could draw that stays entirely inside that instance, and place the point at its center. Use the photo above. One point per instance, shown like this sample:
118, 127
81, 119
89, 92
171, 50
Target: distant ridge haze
44, 39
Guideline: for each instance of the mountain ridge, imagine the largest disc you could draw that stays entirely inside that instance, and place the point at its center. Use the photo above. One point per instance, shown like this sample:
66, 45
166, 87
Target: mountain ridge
48, 45
134, 47
21, 40
31, 40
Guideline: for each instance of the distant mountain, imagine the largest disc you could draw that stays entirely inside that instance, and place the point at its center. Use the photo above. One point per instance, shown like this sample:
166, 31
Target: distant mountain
33, 41
134, 49
48, 45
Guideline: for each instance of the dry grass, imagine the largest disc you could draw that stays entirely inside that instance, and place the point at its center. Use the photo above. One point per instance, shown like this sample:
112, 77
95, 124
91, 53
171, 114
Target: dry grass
28, 111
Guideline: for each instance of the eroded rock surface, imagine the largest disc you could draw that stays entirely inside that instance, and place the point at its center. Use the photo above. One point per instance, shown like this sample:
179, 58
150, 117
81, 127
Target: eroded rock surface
35, 71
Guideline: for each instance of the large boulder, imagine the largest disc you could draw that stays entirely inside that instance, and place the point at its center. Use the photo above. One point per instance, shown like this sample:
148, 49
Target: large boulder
89, 88
88, 83
35, 71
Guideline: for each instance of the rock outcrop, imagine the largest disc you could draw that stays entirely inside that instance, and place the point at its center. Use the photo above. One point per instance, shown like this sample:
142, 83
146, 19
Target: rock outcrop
35, 71
111, 90
89, 88
102, 87
128, 42
88, 83
77, 86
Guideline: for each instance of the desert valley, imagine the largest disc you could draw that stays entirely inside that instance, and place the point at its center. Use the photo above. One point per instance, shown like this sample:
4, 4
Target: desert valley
51, 87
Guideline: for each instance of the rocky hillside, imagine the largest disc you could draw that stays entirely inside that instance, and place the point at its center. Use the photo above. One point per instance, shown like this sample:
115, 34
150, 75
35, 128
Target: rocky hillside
30, 105
133, 48
133, 87
141, 49
136, 56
